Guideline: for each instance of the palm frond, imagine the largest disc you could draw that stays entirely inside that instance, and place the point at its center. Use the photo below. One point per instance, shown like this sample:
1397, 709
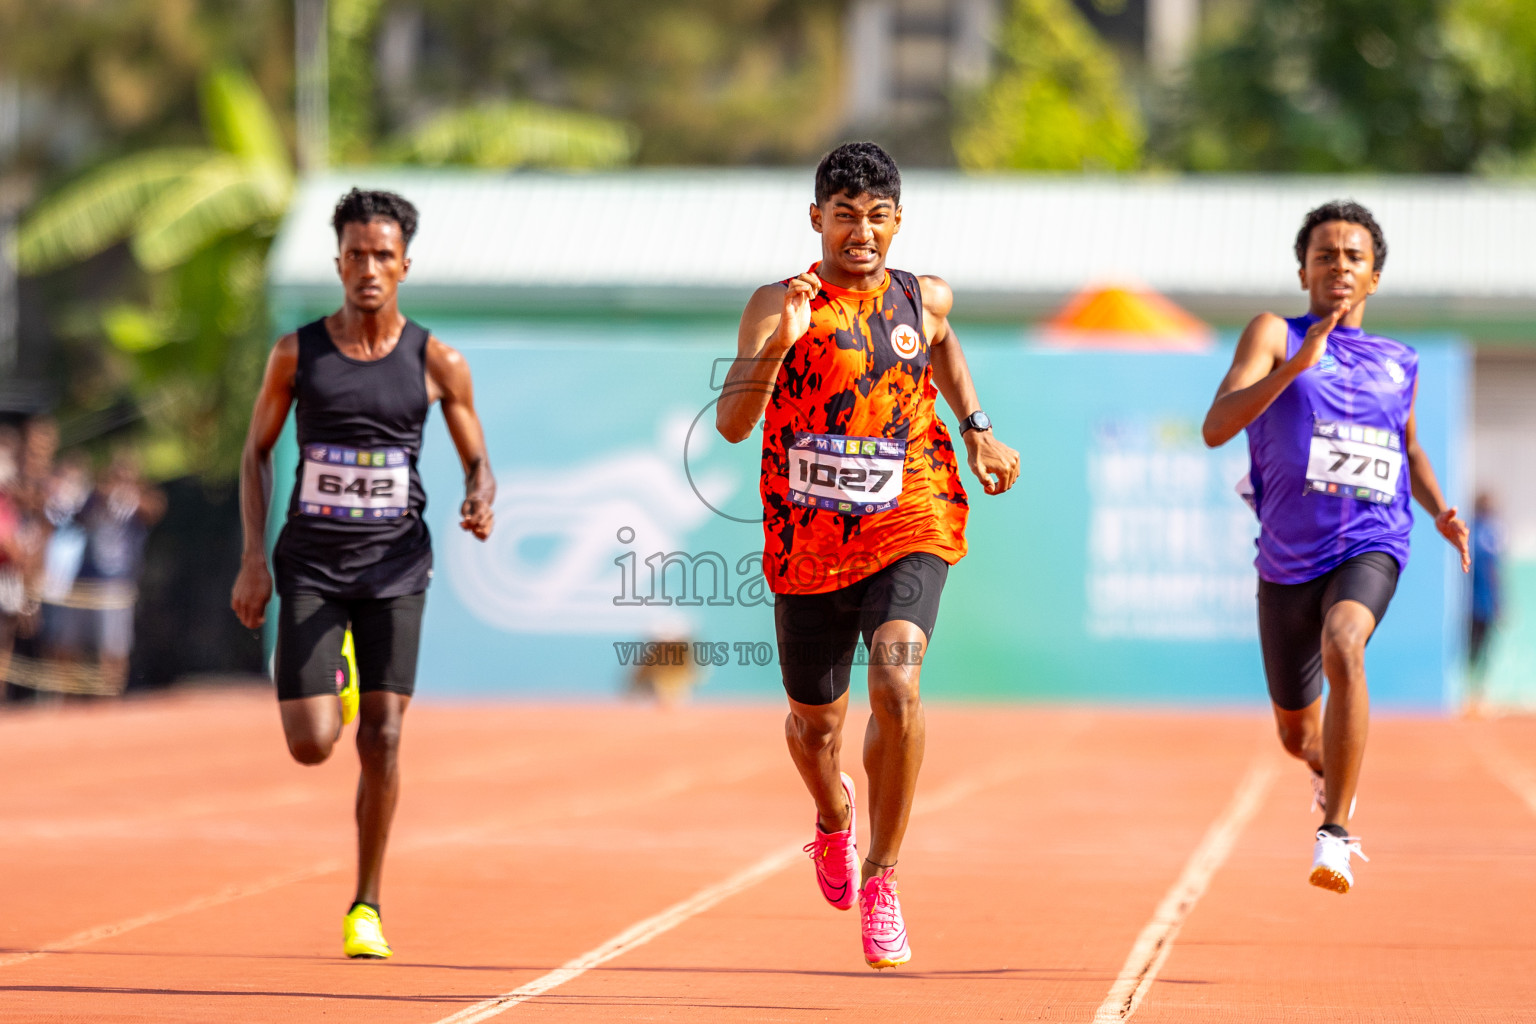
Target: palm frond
100, 209
240, 122
223, 196
515, 134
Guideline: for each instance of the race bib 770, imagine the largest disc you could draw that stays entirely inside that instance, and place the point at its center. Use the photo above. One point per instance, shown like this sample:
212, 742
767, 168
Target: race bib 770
1347, 460
349, 483
852, 475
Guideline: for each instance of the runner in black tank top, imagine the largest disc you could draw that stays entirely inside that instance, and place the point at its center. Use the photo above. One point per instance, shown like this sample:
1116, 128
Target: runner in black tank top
360, 531
354, 551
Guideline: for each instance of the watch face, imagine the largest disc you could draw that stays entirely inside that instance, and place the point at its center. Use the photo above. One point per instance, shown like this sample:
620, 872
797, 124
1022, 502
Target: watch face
979, 420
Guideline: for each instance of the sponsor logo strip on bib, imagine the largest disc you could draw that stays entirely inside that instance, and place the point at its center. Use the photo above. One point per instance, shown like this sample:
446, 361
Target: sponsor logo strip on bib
355, 483
1347, 460
853, 475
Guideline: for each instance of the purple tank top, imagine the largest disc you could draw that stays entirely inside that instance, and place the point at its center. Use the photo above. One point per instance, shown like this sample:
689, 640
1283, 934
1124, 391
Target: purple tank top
1328, 467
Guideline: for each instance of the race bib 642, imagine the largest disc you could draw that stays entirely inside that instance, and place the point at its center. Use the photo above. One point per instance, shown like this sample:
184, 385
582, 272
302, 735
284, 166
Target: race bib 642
350, 483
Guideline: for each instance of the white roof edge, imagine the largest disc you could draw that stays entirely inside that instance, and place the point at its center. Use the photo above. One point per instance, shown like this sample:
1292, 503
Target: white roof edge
711, 229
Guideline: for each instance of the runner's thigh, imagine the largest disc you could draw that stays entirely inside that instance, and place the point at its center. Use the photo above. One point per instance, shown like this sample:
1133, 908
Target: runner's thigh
907, 590
817, 634
1370, 579
309, 632
386, 634
1291, 636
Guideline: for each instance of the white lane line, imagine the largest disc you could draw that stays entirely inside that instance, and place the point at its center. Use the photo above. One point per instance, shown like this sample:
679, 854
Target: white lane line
226, 895
1514, 774
1156, 940
659, 924
630, 938
668, 784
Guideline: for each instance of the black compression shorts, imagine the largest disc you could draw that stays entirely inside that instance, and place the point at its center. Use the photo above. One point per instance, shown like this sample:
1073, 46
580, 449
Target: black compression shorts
1291, 622
386, 634
818, 633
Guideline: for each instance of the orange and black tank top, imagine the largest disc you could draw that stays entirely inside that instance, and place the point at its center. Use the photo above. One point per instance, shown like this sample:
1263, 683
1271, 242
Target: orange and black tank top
858, 471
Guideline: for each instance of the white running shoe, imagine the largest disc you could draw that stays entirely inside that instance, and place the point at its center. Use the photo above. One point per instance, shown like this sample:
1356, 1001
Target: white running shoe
1320, 795
1330, 861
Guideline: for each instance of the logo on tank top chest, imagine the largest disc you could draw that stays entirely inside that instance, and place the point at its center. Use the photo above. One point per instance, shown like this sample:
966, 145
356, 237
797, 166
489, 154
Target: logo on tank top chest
1394, 371
906, 341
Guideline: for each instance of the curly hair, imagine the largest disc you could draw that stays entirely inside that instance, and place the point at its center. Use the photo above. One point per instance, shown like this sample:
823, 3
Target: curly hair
1350, 212
360, 207
858, 168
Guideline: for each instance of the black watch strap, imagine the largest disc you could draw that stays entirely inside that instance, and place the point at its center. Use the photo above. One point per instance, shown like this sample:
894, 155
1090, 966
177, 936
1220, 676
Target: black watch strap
977, 420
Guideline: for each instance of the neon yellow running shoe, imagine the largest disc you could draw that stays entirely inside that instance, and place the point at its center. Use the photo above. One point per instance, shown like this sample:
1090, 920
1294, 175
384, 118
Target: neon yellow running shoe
362, 935
346, 680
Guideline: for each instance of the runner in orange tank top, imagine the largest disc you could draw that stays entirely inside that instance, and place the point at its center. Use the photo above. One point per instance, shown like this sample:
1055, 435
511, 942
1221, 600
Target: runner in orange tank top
863, 510
860, 371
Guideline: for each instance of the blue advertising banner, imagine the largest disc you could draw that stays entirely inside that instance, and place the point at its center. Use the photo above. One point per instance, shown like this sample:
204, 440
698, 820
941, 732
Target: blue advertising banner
1119, 569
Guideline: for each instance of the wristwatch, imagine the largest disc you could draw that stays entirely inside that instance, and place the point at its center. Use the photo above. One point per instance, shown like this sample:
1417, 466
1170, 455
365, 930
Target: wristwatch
977, 420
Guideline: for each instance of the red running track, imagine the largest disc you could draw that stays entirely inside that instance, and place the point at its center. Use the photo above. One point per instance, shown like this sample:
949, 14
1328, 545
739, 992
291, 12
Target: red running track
163, 860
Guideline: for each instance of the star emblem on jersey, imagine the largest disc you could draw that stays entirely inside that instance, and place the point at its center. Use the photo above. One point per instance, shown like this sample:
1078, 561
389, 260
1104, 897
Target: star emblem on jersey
905, 340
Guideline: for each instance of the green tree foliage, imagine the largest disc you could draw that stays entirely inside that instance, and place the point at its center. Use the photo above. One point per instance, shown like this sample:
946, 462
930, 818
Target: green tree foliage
1427, 86
124, 73
703, 81
355, 116
198, 221
1056, 102
201, 179
171, 202
510, 134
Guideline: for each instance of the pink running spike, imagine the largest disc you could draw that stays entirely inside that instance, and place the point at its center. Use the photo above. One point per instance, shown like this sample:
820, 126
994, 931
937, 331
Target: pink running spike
885, 933
836, 856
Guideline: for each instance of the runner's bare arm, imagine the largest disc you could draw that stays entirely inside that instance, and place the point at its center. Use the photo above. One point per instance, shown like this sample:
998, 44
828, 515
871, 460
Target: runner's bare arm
1426, 488
995, 464
449, 381
775, 318
1260, 372
253, 586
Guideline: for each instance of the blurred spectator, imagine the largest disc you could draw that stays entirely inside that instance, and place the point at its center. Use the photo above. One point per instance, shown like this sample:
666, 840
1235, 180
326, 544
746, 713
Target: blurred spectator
115, 520
666, 676
26, 495
50, 495
64, 497
90, 574
13, 589
1487, 553
40, 443
71, 552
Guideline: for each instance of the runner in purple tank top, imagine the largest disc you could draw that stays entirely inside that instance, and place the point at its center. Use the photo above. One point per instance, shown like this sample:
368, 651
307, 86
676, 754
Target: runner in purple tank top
1329, 413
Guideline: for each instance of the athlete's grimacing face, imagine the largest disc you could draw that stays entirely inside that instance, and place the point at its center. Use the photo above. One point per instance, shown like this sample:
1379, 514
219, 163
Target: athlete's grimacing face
371, 263
856, 232
1341, 265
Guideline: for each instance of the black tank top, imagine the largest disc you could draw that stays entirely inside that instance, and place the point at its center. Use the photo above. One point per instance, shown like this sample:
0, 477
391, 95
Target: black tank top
355, 527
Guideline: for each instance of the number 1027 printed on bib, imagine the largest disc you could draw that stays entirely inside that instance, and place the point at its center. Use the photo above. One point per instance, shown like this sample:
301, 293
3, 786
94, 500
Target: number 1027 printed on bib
853, 475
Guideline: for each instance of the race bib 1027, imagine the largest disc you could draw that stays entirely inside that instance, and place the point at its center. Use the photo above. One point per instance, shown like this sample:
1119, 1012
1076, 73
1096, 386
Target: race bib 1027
853, 475
1350, 461
348, 483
